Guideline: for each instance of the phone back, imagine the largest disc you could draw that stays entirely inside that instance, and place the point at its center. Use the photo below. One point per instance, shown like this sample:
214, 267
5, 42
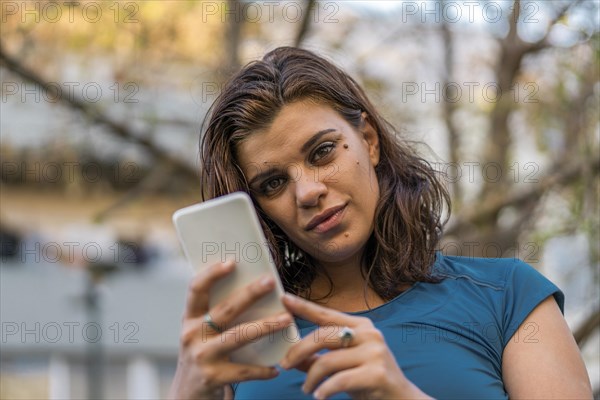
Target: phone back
227, 228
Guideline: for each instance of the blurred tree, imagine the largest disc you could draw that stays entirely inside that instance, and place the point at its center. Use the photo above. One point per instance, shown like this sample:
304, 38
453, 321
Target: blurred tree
150, 42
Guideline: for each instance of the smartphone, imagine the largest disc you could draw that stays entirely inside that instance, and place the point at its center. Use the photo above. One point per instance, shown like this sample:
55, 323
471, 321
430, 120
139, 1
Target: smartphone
227, 228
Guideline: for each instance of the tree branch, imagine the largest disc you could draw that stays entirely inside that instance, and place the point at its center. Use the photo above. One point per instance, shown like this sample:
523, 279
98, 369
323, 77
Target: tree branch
587, 328
512, 51
305, 23
449, 109
493, 206
234, 29
512, 40
94, 115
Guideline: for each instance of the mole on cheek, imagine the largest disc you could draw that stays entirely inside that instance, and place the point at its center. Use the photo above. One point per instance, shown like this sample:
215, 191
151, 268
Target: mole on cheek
357, 163
346, 234
345, 145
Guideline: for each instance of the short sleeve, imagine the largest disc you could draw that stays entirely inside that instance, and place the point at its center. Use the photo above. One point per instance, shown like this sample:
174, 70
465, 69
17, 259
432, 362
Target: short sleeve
525, 289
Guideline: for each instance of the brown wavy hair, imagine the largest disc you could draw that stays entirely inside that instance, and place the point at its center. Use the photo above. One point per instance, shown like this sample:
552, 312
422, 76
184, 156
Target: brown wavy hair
408, 217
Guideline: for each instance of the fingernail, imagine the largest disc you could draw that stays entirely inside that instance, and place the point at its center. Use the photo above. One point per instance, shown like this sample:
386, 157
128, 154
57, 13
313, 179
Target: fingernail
304, 389
284, 364
266, 281
317, 395
227, 265
284, 318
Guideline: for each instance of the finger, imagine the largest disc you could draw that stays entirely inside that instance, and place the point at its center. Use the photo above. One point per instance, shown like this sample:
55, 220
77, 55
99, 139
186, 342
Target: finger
245, 372
207, 345
197, 300
324, 337
225, 312
305, 365
349, 380
329, 364
250, 332
315, 313
227, 373
196, 329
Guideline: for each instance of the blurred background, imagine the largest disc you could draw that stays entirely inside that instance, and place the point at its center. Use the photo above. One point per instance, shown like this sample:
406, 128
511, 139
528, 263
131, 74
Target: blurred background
101, 105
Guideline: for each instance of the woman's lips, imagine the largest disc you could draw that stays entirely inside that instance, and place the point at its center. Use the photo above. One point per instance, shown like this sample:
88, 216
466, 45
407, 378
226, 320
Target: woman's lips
331, 222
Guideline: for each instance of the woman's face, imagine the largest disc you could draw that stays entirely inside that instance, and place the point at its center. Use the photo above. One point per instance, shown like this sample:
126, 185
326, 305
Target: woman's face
313, 174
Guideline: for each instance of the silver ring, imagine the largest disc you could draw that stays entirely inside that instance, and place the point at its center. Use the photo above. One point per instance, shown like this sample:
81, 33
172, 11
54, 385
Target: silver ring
346, 336
208, 319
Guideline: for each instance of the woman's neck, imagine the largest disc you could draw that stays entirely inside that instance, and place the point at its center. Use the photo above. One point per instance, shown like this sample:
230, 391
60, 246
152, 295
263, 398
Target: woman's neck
347, 291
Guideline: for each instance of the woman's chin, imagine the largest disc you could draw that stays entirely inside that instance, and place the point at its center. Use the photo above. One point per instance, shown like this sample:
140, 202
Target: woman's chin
335, 252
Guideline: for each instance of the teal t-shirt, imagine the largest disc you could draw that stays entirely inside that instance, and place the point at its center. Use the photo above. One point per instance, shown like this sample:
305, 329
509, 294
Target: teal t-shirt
447, 337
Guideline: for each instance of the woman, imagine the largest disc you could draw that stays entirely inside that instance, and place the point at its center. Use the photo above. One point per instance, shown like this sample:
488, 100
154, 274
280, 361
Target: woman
353, 217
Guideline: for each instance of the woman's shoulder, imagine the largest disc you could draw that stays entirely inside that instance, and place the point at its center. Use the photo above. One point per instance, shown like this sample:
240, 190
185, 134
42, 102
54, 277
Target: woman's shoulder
488, 271
511, 276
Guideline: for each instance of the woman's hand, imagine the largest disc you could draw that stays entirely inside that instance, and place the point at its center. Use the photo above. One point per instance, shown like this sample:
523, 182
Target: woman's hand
364, 367
204, 369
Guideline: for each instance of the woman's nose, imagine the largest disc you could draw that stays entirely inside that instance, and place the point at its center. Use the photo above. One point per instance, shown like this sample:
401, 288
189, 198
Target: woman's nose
309, 188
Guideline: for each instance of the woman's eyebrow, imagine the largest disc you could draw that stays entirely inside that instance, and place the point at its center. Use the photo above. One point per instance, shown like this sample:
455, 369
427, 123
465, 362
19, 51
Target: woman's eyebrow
270, 171
314, 138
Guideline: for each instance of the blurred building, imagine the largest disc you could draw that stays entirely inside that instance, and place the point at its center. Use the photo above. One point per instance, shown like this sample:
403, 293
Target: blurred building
55, 346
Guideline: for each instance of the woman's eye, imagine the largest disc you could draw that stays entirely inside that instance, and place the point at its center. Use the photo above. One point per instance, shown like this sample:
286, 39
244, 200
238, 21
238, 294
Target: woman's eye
322, 151
272, 185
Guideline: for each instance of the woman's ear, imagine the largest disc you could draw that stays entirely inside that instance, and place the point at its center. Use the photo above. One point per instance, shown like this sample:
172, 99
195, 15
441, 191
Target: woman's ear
370, 136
